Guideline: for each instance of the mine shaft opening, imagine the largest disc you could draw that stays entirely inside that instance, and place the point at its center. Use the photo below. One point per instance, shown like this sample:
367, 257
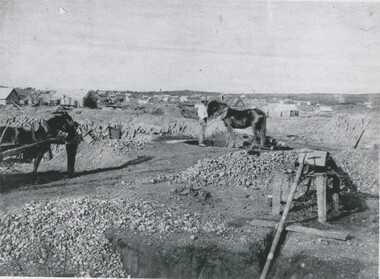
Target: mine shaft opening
194, 260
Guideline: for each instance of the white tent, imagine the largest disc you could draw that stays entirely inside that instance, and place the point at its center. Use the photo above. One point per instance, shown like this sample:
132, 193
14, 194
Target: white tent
286, 110
4, 93
71, 97
324, 109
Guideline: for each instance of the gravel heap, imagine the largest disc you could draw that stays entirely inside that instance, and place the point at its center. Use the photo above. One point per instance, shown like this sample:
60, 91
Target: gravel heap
47, 238
234, 169
124, 146
361, 167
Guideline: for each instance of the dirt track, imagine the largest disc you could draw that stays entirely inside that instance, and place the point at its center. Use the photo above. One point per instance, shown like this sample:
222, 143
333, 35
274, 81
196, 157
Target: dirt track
109, 174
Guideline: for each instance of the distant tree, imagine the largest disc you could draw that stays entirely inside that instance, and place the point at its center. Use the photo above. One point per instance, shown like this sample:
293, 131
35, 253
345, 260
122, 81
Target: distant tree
90, 100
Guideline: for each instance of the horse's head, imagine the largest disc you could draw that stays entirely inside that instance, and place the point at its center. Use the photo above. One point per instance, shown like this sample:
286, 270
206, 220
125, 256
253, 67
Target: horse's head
63, 122
215, 108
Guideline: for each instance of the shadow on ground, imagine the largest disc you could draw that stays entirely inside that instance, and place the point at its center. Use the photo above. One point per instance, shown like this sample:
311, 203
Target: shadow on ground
13, 181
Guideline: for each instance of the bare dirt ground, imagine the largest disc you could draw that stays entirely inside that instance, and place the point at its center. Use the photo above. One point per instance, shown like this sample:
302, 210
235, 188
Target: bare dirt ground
157, 208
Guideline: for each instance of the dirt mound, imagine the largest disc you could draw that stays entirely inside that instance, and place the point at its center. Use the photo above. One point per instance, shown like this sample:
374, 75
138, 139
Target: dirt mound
346, 129
189, 112
134, 126
340, 131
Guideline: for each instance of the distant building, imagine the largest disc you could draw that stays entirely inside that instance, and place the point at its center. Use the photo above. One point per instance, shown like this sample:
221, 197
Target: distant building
287, 110
183, 99
70, 97
26, 97
45, 98
308, 103
282, 110
324, 109
165, 98
8, 96
144, 101
369, 105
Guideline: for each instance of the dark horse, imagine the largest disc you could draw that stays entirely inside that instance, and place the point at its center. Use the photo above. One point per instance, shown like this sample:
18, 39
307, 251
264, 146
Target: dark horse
60, 122
240, 119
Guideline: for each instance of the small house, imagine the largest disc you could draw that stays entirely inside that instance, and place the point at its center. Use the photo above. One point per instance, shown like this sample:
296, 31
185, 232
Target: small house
25, 95
166, 98
8, 96
144, 100
70, 97
183, 99
286, 110
324, 109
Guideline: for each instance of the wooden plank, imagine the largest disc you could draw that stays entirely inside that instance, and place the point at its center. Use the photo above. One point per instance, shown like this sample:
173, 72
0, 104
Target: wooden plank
7, 144
328, 234
23, 148
315, 158
320, 181
281, 224
300, 229
356, 145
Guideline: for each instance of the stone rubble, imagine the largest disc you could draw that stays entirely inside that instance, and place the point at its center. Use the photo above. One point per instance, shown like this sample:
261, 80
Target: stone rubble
61, 236
238, 169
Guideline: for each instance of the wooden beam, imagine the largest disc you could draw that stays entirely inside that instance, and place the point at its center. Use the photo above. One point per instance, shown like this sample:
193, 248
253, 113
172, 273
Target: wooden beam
321, 183
328, 234
23, 148
300, 229
356, 145
281, 224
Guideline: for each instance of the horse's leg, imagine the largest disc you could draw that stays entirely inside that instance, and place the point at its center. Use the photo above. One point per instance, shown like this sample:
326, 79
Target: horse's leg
71, 150
40, 155
230, 131
263, 132
255, 135
50, 153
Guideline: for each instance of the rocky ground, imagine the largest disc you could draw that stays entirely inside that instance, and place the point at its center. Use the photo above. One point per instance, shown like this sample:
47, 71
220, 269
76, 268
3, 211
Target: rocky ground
135, 196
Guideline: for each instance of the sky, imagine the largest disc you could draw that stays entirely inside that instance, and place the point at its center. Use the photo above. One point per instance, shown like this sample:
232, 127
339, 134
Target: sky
210, 45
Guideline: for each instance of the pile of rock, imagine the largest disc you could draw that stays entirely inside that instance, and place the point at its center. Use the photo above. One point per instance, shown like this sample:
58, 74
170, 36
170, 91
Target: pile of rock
235, 169
63, 236
124, 147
